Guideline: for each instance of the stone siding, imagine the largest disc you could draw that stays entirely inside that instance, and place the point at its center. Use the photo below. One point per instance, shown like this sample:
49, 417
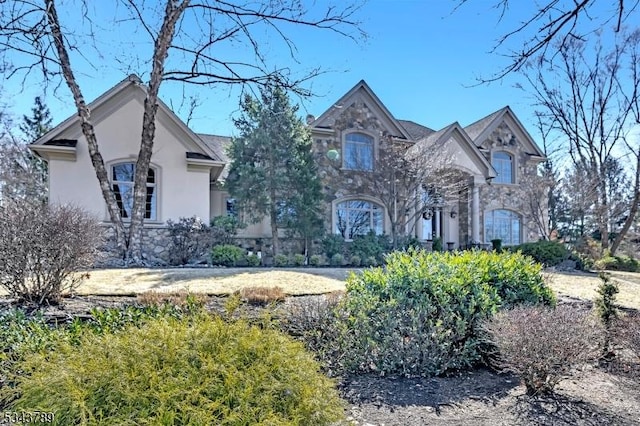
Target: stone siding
336, 181
509, 196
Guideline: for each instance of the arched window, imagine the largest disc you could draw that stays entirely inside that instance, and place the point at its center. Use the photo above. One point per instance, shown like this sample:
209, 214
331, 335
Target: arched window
358, 152
358, 217
122, 178
503, 163
504, 225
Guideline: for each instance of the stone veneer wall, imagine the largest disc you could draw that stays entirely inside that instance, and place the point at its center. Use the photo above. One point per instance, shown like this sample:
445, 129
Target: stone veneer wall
157, 247
509, 196
336, 181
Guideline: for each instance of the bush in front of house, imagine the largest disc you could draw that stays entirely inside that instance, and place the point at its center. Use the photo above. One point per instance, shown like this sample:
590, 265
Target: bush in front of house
355, 260
420, 314
198, 371
543, 345
548, 253
223, 229
316, 260
337, 260
253, 260
44, 249
617, 263
298, 259
281, 260
332, 244
190, 238
370, 245
226, 255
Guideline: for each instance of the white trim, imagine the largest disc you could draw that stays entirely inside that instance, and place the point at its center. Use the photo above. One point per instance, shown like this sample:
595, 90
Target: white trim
357, 197
374, 148
157, 185
514, 165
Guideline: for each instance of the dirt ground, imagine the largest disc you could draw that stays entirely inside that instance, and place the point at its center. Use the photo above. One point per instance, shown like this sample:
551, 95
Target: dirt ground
595, 396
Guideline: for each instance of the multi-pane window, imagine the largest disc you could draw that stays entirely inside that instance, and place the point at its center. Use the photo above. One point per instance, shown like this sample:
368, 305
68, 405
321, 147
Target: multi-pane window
358, 217
503, 163
122, 179
358, 152
231, 208
504, 225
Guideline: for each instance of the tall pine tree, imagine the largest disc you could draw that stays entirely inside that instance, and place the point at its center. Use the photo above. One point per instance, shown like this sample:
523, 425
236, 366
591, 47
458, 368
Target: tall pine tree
38, 124
272, 170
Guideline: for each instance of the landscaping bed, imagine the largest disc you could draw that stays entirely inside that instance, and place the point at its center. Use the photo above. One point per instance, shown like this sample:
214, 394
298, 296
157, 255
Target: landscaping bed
595, 396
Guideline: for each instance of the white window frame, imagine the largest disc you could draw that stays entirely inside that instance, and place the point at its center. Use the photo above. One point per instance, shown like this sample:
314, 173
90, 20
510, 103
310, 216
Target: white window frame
373, 209
358, 144
489, 231
499, 165
155, 185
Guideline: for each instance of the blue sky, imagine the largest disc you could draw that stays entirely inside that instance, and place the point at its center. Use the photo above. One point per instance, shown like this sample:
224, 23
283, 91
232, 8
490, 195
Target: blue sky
421, 58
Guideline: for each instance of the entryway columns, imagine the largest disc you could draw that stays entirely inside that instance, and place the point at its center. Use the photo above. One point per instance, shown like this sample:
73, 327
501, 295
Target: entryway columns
475, 214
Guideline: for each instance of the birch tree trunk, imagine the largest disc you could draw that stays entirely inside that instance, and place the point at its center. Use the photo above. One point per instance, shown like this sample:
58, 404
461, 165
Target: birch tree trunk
173, 12
87, 127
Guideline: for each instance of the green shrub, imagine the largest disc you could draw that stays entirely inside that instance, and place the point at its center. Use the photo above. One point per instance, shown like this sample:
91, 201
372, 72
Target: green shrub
224, 229
549, 253
332, 244
418, 315
617, 263
253, 260
543, 345
355, 260
370, 245
407, 242
203, 371
437, 244
298, 259
606, 310
337, 259
497, 244
281, 260
370, 261
226, 255
316, 260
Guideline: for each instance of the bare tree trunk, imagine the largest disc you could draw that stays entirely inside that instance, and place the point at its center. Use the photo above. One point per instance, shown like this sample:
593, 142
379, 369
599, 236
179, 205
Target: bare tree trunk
87, 127
273, 218
633, 211
173, 12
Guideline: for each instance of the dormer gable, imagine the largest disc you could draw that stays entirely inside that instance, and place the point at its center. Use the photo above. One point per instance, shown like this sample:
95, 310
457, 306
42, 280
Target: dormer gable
489, 133
360, 109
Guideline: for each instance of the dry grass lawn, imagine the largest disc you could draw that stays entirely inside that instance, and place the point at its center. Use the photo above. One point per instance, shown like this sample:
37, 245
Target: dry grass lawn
303, 281
584, 285
213, 281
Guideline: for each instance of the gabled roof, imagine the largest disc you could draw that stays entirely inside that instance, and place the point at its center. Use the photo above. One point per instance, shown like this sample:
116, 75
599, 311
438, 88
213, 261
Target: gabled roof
442, 136
482, 129
219, 145
112, 94
325, 120
415, 130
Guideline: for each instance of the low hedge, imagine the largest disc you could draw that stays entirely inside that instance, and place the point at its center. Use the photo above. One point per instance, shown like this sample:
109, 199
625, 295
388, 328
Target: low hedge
226, 255
548, 253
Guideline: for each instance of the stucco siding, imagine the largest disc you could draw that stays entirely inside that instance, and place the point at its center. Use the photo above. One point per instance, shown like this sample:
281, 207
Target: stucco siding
118, 128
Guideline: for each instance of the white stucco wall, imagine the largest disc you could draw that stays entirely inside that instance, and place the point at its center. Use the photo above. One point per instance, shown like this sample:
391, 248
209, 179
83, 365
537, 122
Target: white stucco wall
118, 127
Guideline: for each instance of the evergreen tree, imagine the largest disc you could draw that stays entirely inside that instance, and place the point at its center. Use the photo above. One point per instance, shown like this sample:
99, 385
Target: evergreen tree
38, 124
272, 170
